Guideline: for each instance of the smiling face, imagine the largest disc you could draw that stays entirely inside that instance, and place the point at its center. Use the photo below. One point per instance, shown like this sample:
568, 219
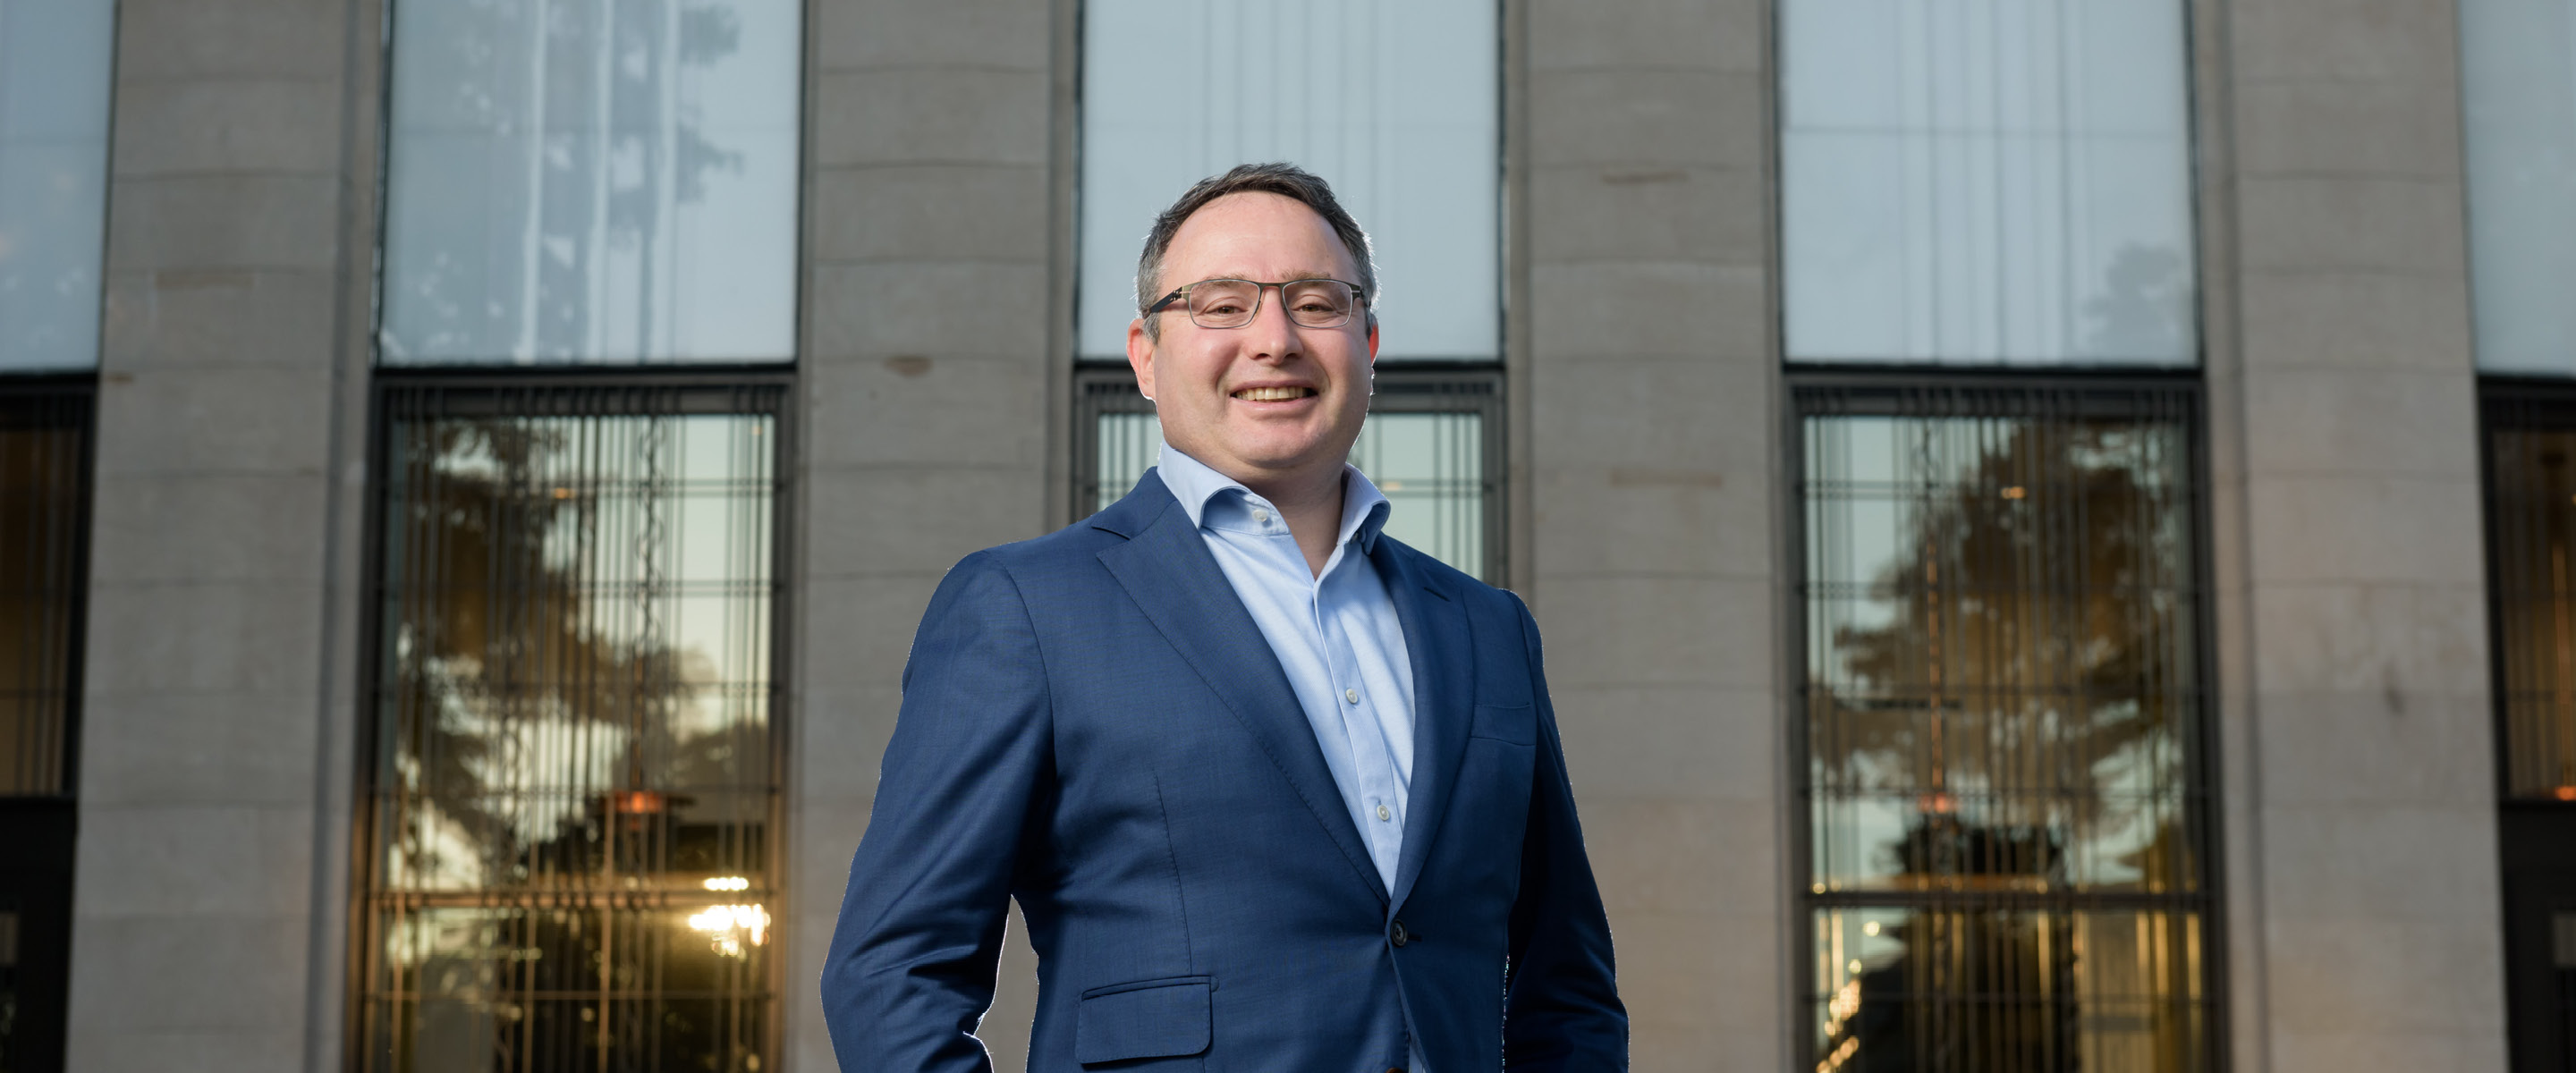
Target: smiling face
1271, 404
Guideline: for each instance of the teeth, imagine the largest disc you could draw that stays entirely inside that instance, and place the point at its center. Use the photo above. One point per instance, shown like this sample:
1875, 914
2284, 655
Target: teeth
1270, 394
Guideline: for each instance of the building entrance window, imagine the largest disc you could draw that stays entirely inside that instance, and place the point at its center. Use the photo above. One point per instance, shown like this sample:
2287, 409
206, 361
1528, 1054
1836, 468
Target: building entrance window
2003, 728
575, 776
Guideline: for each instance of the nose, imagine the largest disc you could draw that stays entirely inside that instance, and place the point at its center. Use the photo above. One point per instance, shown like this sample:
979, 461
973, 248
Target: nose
1271, 335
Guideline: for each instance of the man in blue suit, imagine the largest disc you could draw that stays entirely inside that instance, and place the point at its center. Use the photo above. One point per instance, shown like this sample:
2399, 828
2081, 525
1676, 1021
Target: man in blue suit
1274, 791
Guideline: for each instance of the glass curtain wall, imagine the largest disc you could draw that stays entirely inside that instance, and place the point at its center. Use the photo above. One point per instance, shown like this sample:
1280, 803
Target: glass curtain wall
572, 847
1398, 105
2004, 724
2518, 97
575, 775
591, 181
56, 59
1986, 182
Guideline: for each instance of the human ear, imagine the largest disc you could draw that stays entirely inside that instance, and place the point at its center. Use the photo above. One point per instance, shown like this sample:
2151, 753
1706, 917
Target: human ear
1140, 357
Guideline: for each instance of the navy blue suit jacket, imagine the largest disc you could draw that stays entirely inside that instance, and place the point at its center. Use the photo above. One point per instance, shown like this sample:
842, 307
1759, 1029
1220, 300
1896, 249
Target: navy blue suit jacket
1092, 724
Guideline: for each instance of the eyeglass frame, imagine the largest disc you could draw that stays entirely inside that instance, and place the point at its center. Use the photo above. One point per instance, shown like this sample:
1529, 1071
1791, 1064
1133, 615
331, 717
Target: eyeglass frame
1260, 291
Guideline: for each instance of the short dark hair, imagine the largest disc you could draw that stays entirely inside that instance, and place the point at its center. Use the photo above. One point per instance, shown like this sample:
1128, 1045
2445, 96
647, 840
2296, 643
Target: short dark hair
1286, 180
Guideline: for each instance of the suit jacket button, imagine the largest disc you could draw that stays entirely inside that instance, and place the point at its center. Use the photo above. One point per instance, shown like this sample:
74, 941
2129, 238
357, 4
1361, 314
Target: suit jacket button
1399, 936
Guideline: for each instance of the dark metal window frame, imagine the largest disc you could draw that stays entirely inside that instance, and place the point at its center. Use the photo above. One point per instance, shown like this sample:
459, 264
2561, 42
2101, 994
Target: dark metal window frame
1101, 388
38, 829
1874, 389
701, 390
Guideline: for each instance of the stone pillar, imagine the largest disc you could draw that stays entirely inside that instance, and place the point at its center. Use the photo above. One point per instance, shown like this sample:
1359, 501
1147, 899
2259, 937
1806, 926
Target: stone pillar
926, 403
2356, 742
210, 916
1647, 371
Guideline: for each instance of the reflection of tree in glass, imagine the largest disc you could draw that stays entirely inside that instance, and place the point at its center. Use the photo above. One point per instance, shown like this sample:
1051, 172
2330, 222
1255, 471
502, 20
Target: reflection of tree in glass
525, 691
2023, 688
549, 229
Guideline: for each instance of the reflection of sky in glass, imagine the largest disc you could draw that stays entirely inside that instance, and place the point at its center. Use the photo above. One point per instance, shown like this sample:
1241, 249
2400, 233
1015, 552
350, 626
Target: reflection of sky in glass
1430, 467
2518, 97
592, 181
1395, 104
55, 61
1994, 716
1986, 181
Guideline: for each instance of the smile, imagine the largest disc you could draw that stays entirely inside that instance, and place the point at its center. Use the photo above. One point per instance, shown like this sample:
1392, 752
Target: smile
1273, 394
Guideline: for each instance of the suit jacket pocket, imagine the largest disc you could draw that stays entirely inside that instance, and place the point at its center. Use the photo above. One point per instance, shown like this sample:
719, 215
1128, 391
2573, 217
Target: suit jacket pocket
1515, 723
1143, 1019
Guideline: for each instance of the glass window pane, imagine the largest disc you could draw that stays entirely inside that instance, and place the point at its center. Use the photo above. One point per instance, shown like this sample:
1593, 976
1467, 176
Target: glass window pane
43, 531
592, 181
2003, 691
2533, 531
554, 988
2008, 990
2004, 711
1987, 182
575, 776
56, 58
1397, 105
1430, 465
2519, 101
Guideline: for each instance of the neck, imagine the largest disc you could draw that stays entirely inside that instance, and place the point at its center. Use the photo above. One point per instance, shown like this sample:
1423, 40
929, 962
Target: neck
1311, 504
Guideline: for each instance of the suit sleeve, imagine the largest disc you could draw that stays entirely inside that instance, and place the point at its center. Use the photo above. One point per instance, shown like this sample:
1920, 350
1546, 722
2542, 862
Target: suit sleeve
1561, 1000
911, 967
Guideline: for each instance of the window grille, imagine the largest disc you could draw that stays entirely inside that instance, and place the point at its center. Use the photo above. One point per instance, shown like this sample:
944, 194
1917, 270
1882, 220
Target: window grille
575, 779
44, 528
2531, 473
2003, 729
1433, 443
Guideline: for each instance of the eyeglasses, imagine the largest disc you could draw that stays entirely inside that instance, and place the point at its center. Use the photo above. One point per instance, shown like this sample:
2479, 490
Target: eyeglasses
1232, 303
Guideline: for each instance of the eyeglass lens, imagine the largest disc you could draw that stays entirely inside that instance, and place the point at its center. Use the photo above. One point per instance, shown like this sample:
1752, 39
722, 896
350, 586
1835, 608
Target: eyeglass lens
1231, 303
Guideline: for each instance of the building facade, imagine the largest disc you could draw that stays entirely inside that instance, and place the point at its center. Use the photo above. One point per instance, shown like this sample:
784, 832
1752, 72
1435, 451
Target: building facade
2050, 519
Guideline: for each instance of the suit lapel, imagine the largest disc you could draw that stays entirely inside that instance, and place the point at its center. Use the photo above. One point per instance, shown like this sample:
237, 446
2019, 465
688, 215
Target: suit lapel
1167, 569
1435, 640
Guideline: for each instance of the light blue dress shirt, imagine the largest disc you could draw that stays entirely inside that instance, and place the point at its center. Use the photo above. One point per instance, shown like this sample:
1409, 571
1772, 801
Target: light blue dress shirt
1336, 635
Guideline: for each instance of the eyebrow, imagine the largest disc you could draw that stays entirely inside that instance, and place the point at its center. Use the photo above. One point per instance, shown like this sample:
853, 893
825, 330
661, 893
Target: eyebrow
1296, 274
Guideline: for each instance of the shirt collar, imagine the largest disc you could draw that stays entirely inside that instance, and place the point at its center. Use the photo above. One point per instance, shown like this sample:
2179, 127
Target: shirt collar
1195, 484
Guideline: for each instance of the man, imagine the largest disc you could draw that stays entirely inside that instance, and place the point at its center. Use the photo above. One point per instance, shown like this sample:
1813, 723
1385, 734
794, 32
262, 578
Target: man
1274, 791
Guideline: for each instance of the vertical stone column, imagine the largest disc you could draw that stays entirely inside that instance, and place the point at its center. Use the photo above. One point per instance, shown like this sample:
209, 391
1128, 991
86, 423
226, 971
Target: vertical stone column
2356, 724
1651, 447
209, 920
930, 236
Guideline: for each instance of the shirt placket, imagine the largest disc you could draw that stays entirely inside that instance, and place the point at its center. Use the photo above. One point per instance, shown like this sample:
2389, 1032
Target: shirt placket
1382, 812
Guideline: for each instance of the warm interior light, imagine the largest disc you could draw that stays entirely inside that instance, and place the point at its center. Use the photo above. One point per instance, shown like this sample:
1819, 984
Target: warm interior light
639, 801
1870, 928
563, 493
730, 925
2566, 793
2015, 491
728, 883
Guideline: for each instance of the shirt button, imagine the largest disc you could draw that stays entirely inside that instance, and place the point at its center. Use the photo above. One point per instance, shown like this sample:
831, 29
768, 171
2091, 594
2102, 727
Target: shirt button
1351, 695
1261, 516
1383, 815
